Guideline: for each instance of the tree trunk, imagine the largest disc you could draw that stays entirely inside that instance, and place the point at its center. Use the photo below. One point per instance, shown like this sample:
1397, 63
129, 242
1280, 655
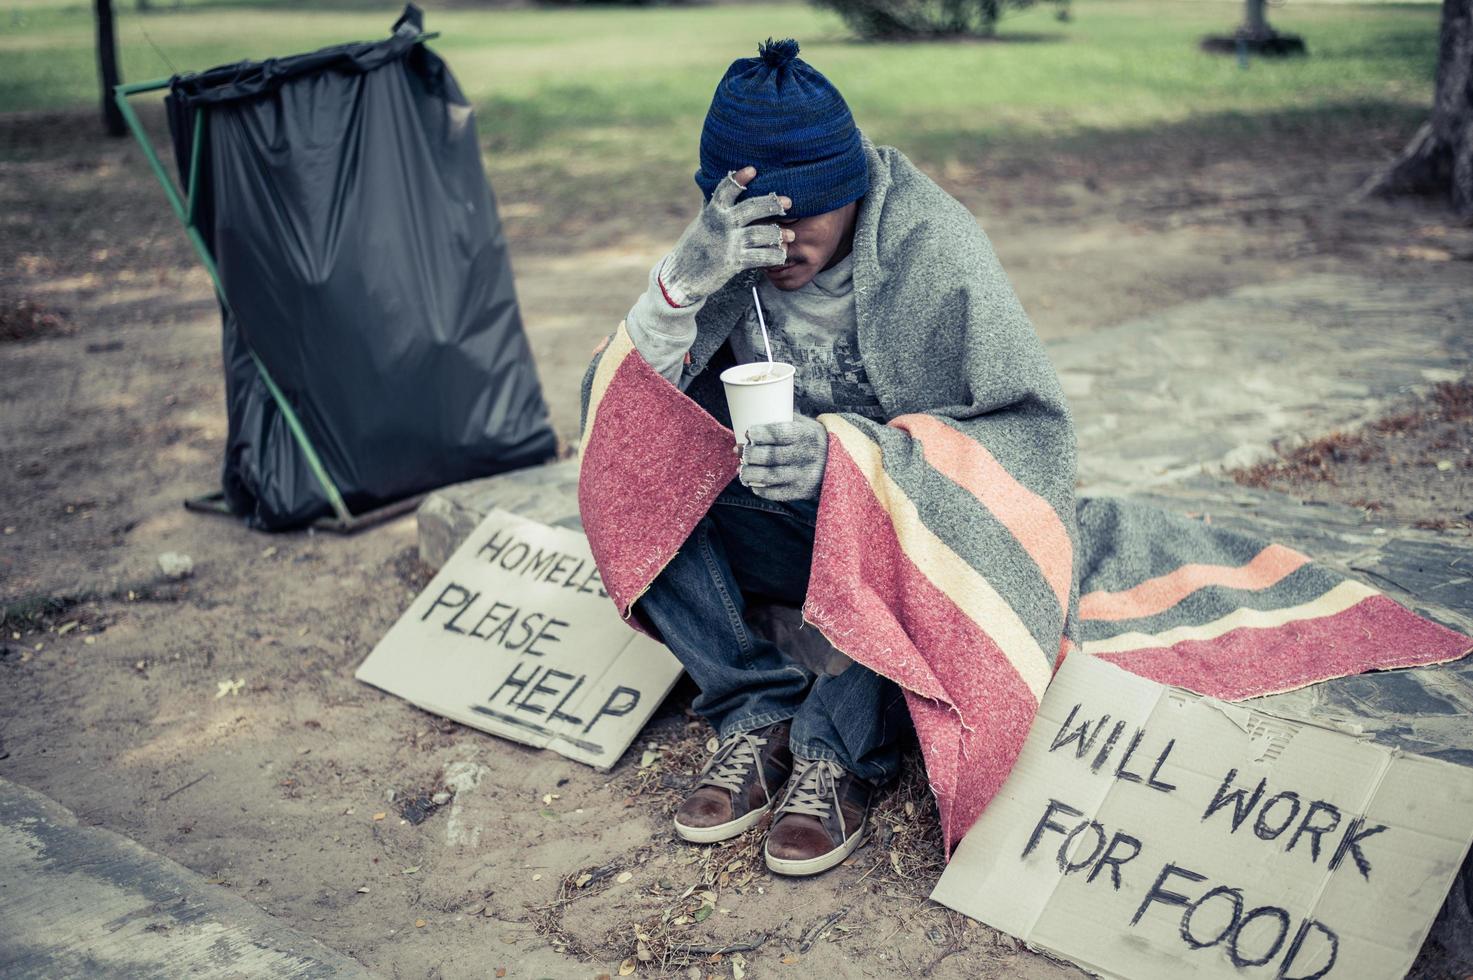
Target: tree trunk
107, 68
1256, 23
1439, 159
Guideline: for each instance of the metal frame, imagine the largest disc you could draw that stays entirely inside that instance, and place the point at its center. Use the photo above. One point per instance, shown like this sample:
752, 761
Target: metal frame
214, 503
185, 209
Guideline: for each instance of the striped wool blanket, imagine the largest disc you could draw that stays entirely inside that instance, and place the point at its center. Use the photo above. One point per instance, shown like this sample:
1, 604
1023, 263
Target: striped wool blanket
964, 600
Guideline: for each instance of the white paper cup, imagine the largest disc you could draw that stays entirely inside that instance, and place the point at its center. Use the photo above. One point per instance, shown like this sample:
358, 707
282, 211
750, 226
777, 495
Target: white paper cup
757, 394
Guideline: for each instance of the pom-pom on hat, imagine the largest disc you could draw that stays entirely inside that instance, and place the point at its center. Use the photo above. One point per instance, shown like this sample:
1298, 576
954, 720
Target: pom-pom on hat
779, 114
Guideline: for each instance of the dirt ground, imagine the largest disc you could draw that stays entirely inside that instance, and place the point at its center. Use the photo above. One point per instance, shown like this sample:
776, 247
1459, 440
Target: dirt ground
1414, 466
216, 720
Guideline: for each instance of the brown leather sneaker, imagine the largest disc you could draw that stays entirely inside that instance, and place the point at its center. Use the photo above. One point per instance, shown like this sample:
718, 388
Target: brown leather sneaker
820, 819
738, 786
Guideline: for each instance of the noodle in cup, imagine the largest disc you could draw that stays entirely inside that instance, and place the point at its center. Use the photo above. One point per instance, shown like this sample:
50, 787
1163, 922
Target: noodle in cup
757, 394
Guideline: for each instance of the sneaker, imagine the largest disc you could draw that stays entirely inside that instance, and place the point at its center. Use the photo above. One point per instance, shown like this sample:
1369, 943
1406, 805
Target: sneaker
819, 821
738, 786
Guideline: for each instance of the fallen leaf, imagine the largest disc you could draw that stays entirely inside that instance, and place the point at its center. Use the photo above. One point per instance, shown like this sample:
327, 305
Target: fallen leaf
537, 877
228, 686
583, 879
790, 959
380, 815
363, 890
703, 913
68, 627
501, 971
1444, 464
627, 967
410, 871
648, 759
268, 551
624, 876
420, 923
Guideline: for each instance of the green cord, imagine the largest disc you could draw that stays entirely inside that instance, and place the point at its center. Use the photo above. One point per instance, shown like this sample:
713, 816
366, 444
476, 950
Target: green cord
185, 214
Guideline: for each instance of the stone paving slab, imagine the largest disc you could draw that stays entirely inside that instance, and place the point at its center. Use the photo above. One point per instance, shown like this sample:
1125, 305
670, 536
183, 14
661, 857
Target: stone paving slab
79, 901
547, 493
1217, 382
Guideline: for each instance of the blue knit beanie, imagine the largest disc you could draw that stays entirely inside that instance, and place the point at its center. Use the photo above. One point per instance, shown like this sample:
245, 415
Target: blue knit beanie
779, 114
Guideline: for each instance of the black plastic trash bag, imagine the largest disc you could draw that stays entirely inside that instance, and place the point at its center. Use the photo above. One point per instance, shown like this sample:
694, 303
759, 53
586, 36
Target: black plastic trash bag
365, 276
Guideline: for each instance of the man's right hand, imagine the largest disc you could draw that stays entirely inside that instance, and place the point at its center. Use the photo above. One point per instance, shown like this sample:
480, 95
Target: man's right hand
723, 241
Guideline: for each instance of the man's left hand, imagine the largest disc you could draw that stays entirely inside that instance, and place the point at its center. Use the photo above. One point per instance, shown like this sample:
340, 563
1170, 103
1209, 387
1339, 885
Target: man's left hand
785, 460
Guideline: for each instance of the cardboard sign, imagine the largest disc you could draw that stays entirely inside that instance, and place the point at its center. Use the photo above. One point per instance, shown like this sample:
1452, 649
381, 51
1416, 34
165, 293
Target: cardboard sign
1150, 833
516, 636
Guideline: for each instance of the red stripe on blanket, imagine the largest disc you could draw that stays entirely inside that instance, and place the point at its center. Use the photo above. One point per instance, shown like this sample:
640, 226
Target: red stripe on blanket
1157, 595
872, 603
653, 462
1373, 634
1026, 515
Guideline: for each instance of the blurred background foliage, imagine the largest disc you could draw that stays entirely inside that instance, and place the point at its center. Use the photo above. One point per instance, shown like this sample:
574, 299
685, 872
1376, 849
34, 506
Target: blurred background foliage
589, 106
913, 19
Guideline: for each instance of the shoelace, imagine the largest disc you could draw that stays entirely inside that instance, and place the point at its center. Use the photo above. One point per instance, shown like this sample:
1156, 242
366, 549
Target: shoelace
734, 758
814, 791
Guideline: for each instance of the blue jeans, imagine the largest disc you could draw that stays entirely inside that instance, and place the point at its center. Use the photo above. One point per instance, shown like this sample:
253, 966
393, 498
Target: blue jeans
746, 545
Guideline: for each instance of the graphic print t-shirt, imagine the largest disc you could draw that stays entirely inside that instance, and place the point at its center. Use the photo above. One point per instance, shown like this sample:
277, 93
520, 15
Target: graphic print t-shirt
814, 329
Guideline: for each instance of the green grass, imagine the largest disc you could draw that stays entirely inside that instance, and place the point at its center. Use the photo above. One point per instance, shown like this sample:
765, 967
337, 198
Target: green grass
587, 98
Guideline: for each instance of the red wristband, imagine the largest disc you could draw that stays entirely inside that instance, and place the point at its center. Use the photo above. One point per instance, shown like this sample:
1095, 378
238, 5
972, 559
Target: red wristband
665, 294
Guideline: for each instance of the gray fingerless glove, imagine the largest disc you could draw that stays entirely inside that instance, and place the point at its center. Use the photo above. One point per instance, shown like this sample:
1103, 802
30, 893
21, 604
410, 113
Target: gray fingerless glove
786, 460
721, 242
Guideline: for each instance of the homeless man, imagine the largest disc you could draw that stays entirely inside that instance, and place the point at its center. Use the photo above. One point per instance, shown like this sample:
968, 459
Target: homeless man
802, 205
